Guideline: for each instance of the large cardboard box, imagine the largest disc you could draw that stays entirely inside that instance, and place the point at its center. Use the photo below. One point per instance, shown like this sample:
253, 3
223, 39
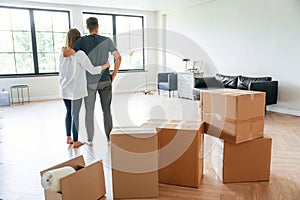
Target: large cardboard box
181, 154
86, 183
134, 158
233, 115
248, 161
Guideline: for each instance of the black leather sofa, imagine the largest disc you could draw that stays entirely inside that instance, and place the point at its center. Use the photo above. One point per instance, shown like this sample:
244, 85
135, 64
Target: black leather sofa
264, 84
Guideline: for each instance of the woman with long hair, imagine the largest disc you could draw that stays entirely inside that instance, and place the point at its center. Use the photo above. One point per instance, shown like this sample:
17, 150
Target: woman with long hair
73, 85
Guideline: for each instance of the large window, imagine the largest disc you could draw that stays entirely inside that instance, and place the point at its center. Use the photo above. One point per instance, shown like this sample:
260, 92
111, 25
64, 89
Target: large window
31, 40
127, 33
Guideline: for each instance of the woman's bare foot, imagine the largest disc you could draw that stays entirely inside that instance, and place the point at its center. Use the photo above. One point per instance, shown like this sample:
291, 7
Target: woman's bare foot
69, 140
77, 144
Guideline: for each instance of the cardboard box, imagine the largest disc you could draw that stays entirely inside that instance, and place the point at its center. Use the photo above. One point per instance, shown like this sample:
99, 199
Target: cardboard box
77, 186
181, 154
232, 130
233, 115
234, 104
134, 159
248, 161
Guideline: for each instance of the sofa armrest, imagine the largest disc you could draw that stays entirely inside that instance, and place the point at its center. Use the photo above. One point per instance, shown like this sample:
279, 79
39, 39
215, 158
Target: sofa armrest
172, 79
207, 82
269, 87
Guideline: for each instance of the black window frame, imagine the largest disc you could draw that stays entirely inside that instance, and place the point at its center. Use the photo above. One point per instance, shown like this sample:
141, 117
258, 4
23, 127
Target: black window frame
34, 43
115, 36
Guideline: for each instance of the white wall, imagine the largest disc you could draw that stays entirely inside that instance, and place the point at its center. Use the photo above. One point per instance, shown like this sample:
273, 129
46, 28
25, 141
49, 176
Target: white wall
254, 38
48, 88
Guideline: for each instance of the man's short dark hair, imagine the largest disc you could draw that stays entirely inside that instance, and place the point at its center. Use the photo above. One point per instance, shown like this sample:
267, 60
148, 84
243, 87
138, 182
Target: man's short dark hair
92, 23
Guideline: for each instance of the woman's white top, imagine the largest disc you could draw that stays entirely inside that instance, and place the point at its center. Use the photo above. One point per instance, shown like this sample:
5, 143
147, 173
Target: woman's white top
72, 76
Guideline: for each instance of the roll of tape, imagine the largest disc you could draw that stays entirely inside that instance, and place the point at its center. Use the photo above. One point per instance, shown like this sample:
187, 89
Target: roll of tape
51, 179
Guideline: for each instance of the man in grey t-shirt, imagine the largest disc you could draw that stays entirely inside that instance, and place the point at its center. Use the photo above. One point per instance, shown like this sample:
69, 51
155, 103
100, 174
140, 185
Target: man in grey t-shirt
97, 48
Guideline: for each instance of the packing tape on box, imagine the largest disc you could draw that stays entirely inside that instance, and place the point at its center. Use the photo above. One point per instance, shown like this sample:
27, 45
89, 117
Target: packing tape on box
51, 179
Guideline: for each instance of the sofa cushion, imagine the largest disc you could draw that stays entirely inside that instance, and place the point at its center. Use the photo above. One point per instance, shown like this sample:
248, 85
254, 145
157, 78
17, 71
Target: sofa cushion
163, 86
227, 81
243, 82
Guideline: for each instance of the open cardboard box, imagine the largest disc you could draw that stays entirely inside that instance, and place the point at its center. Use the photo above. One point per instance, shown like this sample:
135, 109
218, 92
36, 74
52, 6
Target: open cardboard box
134, 159
233, 115
86, 183
180, 146
181, 154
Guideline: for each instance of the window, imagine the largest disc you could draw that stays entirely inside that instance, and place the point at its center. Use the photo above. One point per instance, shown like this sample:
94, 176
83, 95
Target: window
127, 33
31, 40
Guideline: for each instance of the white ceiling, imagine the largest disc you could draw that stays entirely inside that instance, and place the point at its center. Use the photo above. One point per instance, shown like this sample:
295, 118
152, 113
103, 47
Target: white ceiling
146, 5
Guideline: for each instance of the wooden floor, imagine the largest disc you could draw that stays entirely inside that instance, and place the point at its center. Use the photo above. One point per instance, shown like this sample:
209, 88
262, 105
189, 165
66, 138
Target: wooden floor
32, 138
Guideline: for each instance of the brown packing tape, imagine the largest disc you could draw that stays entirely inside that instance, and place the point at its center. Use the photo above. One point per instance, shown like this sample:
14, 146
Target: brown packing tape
233, 121
232, 130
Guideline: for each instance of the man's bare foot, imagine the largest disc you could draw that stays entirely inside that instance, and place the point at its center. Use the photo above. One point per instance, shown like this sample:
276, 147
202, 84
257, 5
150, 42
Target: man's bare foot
69, 140
77, 144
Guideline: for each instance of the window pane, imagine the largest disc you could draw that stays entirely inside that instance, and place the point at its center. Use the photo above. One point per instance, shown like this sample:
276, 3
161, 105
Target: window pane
4, 19
42, 20
59, 41
57, 55
105, 24
24, 63
6, 42
46, 62
16, 39
127, 24
7, 63
20, 20
129, 37
60, 21
44, 42
130, 41
132, 60
22, 41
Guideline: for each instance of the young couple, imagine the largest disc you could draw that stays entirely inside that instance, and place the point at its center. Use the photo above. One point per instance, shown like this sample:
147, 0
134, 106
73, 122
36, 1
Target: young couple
80, 79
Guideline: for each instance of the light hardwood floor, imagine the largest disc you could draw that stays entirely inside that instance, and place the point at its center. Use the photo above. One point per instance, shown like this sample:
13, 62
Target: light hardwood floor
32, 138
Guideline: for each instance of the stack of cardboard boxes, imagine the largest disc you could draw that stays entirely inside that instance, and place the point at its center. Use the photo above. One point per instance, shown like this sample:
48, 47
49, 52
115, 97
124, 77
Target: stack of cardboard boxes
171, 152
236, 119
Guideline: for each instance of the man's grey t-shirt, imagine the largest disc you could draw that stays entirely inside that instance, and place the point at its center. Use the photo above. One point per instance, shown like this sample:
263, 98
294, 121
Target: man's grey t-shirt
97, 48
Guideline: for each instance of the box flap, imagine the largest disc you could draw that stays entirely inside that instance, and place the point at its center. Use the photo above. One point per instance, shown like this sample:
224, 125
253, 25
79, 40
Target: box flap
75, 163
49, 195
133, 130
87, 183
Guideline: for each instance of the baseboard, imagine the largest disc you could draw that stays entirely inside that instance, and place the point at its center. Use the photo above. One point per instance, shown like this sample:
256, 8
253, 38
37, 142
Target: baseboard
284, 110
43, 98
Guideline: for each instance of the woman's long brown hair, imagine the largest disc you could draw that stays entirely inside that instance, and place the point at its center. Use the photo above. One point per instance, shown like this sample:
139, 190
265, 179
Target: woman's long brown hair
72, 35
